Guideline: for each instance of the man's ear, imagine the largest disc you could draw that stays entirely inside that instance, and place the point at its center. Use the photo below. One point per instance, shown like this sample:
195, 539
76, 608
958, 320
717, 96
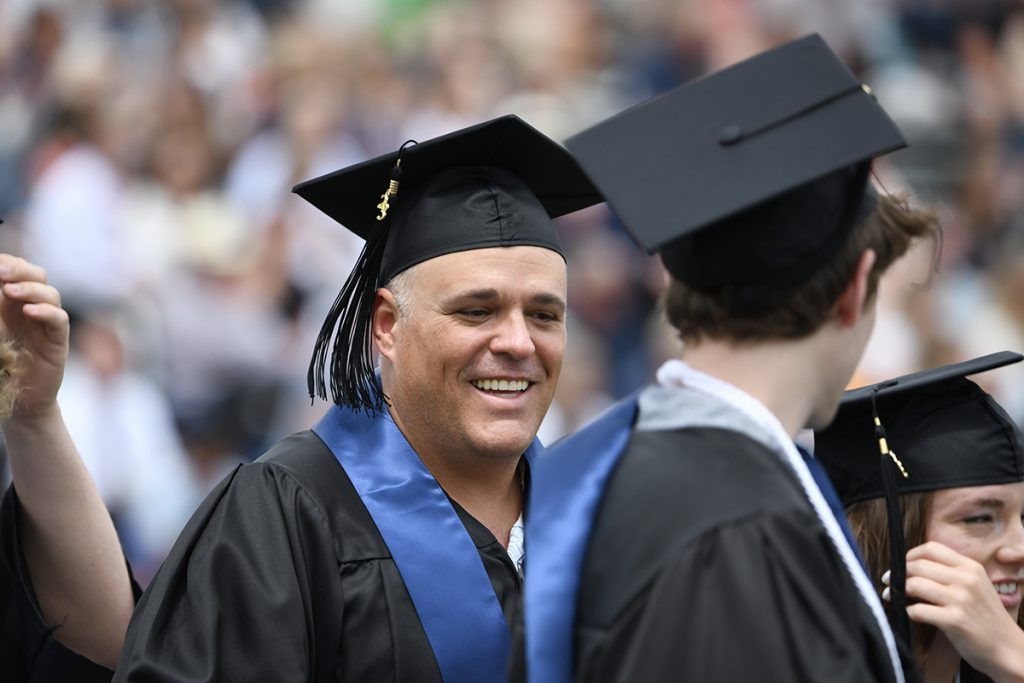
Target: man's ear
850, 304
385, 317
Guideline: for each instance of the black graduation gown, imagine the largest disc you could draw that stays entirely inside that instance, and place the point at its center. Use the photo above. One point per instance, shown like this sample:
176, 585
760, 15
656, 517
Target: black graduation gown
29, 652
281, 575
686, 579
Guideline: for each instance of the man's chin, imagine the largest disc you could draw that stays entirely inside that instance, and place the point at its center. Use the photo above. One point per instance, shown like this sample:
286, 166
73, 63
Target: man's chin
499, 440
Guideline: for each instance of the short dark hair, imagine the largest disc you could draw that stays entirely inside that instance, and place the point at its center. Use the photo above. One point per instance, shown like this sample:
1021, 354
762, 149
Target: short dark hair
796, 312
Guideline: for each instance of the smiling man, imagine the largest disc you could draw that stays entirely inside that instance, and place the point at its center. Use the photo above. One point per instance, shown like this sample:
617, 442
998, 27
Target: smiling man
385, 544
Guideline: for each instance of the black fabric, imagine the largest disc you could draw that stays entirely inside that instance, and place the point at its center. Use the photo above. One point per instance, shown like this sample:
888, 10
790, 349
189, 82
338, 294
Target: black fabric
777, 244
969, 675
29, 650
465, 208
756, 172
707, 563
282, 576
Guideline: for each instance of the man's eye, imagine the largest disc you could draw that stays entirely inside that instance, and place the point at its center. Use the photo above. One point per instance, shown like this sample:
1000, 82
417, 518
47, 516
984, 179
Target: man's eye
545, 317
473, 312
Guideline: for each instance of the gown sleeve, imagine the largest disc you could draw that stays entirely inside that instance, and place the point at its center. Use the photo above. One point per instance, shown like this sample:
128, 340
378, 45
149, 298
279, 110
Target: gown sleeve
758, 599
29, 650
245, 593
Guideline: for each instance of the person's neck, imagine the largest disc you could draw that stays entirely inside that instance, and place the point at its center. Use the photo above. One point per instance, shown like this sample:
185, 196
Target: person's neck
943, 661
489, 490
784, 376
488, 487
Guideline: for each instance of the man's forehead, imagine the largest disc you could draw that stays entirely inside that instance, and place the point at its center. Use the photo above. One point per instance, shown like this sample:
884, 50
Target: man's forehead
497, 270
455, 267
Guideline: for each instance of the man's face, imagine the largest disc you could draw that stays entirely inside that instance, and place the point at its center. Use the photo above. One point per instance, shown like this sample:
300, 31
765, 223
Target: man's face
471, 363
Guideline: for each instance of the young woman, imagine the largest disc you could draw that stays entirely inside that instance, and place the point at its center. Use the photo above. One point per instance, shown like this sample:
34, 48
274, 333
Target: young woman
962, 505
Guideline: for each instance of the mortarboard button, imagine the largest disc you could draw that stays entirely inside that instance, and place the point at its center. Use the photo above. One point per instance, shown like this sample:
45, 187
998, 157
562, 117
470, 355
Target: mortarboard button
730, 135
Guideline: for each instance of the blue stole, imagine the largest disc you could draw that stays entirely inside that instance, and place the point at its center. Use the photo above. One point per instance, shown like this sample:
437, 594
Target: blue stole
567, 483
436, 557
828, 491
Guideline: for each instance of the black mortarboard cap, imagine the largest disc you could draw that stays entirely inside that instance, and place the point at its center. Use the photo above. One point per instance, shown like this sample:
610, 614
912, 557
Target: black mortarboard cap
494, 184
944, 428
925, 431
751, 175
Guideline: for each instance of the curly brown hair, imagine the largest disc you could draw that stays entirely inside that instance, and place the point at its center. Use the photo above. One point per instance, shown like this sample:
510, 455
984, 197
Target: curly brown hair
10, 357
798, 312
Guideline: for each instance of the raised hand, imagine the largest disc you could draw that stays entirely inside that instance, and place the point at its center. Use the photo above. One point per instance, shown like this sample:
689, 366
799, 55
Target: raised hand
32, 318
955, 594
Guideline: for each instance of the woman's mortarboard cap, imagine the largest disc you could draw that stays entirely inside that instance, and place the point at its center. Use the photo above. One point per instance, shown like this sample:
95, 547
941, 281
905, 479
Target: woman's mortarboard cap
497, 183
751, 175
944, 428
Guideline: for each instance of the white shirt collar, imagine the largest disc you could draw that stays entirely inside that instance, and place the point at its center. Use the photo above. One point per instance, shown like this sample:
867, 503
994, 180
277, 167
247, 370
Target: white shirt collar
517, 544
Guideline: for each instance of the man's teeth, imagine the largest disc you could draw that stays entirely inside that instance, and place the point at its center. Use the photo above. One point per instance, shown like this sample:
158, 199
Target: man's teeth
501, 384
1006, 588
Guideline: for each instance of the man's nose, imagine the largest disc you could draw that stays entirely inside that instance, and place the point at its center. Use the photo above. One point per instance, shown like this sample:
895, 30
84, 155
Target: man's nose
513, 337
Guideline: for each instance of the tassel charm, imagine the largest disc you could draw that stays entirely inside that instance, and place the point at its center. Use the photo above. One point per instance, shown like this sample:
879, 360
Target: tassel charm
883, 447
385, 199
899, 464
396, 177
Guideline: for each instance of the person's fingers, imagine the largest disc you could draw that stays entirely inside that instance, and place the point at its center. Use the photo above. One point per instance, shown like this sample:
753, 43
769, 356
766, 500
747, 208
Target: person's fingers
925, 613
32, 292
939, 572
17, 269
937, 552
935, 593
54, 319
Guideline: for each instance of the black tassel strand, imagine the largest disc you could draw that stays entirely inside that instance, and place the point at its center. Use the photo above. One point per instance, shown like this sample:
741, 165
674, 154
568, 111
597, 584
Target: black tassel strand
891, 469
352, 377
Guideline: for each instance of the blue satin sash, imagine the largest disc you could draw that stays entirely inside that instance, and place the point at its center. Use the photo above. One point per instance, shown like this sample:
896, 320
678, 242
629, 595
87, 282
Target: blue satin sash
435, 555
567, 484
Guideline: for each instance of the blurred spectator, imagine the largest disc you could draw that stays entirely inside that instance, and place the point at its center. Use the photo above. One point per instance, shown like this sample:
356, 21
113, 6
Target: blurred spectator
71, 216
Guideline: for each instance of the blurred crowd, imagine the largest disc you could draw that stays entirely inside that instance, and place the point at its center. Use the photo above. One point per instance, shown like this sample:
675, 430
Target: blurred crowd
148, 149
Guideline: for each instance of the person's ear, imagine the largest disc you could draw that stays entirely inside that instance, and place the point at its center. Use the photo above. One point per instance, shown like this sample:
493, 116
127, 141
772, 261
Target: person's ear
385, 317
849, 306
